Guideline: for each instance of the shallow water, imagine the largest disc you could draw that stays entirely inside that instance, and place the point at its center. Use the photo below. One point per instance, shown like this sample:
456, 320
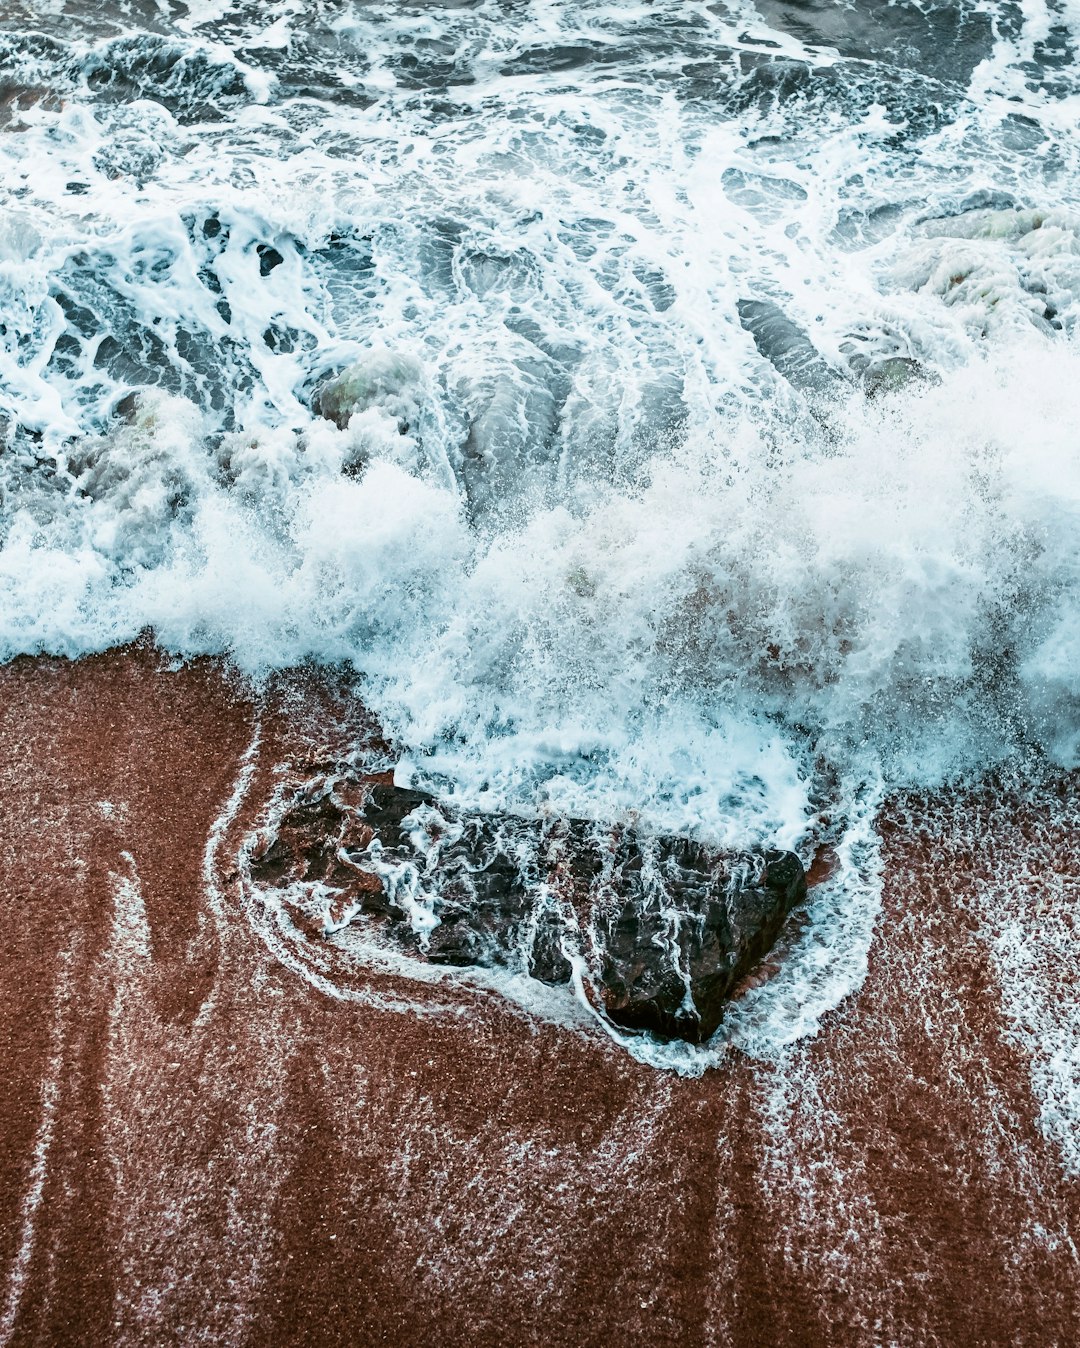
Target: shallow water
714, 463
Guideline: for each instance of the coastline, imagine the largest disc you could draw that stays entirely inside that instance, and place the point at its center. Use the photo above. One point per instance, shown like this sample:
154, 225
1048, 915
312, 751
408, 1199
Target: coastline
197, 1145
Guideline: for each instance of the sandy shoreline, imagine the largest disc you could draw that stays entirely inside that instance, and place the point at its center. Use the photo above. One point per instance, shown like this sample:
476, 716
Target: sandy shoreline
196, 1146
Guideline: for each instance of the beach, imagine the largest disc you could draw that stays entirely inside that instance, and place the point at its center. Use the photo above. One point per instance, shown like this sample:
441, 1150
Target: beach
198, 1145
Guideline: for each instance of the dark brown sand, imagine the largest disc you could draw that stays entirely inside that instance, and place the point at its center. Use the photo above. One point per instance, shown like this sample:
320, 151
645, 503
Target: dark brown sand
197, 1146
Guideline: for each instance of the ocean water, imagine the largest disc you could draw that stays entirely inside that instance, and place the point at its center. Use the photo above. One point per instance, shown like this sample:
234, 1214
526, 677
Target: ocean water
713, 461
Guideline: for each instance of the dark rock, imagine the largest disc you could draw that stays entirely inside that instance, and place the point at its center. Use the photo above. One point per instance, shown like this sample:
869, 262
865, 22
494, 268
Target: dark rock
675, 946
17, 98
547, 960
126, 408
269, 258
665, 927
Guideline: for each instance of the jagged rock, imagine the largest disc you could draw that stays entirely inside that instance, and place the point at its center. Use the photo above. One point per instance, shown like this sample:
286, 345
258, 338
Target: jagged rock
666, 927
673, 952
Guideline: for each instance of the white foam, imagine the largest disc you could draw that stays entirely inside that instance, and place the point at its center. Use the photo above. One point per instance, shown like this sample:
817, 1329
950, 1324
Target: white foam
1027, 906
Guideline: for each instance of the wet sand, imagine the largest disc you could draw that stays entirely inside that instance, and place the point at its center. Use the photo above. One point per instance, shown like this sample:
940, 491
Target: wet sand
199, 1146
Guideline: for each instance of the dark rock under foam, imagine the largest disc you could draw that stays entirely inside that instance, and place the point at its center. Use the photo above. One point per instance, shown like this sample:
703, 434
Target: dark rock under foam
662, 929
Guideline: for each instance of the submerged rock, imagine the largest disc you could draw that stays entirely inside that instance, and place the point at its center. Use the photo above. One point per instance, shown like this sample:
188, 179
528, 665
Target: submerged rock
788, 348
662, 928
894, 375
383, 379
510, 450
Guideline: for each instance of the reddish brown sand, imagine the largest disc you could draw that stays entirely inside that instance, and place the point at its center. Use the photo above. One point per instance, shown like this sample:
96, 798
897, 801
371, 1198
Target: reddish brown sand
197, 1146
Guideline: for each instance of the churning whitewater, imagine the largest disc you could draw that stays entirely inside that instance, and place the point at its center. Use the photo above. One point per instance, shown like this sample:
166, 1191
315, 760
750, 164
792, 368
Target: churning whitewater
668, 409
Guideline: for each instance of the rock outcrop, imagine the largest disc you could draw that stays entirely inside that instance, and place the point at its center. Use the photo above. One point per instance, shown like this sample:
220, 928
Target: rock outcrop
662, 929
